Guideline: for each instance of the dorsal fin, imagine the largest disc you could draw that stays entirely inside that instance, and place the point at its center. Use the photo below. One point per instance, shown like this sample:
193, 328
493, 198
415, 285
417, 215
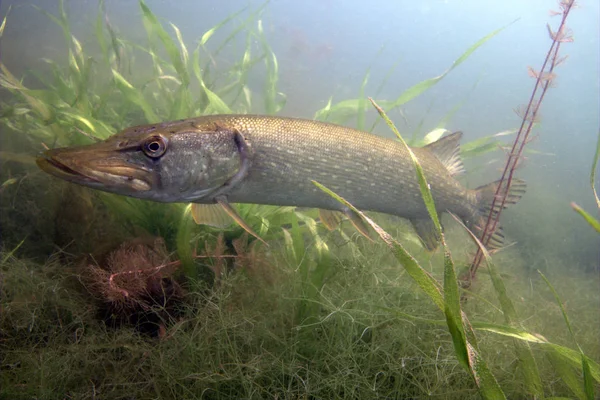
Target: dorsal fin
447, 150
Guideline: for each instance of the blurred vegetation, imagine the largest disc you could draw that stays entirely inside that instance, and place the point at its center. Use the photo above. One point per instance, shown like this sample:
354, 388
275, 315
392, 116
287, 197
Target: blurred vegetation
317, 314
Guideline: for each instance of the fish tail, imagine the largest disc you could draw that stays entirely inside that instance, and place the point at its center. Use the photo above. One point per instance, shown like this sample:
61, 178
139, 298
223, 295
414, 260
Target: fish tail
484, 198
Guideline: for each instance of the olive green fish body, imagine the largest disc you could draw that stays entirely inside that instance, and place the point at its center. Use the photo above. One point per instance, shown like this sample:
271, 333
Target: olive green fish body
371, 172
273, 160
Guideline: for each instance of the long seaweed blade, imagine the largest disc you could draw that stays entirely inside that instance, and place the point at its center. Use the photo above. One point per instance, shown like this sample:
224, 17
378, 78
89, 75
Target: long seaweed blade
523, 351
362, 102
176, 56
338, 112
588, 383
427, 283
594, 223
134, 96
215, 104
593, 173
463, 337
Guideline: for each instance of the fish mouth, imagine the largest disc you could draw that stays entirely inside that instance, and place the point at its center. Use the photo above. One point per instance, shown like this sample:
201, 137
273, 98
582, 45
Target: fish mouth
98, 170
54, 167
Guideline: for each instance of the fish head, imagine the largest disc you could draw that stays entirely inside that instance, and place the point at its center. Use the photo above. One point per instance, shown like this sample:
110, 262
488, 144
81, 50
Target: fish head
164, 162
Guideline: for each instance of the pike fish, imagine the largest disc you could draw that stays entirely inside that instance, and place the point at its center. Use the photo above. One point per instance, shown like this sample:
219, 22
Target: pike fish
213, 161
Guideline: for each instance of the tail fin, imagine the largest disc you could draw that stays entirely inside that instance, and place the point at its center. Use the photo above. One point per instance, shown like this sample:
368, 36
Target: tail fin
484, 198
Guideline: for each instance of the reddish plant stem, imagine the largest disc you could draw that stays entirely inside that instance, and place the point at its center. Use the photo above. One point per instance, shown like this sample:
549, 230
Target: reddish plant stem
529, 117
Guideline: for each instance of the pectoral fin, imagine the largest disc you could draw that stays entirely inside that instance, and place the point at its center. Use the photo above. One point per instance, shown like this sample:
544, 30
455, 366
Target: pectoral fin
220, 215
211, 214
358, 223
222, 201
331, 219
427, 232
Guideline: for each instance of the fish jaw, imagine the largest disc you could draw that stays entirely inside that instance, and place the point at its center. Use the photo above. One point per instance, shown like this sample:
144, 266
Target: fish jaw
98, 168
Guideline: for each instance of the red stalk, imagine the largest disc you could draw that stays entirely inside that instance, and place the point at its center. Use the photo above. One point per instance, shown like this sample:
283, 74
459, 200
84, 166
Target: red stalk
543, 80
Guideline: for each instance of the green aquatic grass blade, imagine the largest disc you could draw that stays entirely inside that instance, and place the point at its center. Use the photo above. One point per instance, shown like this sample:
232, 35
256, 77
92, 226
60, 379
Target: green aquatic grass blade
183, 242
450, 114
387, 76
133, 95
573, 357
566, 357
339, 112
153, 27
307, 310
3, 25
427, 283
99, 30
451, 295
299, 247
593, 173
12, 252
117, 46
594, 223
484, 145
272, 104
215, 105
529, 367
508, 331
425, 192
483, 378
421, 87
184, 52
362, 103
38, 105
569, 375
588, 383
463, 337
321, 247
62, 20
209, 33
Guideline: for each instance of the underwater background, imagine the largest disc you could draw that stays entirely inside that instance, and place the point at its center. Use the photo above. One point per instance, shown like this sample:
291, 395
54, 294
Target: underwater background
319, 314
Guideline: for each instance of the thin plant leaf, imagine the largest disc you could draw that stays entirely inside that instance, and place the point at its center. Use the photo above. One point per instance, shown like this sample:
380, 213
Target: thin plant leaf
8, 81
11, 253
153, 27
427, 283
3, 25
215, 104
523, 352
134, 96
484, 145
347, 108
463, 337
585, 362
593, 173
594, 223
480, 373
362, 102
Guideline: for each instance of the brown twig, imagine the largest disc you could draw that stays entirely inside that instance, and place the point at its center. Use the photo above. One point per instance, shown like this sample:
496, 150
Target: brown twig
544, 78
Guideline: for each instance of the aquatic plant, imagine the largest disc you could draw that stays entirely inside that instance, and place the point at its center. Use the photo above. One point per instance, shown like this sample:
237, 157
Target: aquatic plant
447, 298
593, 222
529, 115
136, 286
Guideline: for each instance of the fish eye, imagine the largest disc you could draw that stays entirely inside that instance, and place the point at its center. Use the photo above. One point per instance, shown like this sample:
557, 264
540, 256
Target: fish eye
155, 146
